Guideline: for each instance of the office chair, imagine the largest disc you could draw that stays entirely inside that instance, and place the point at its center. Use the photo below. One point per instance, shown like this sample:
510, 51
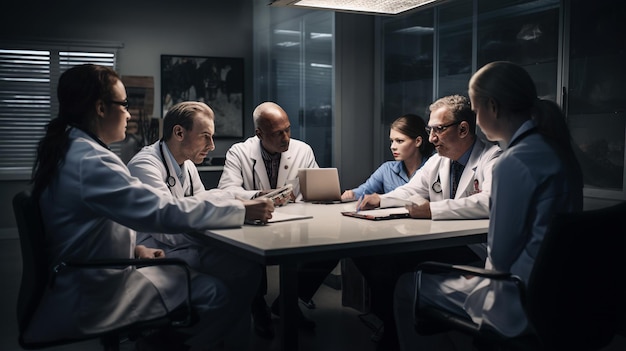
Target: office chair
575, 297
36, 274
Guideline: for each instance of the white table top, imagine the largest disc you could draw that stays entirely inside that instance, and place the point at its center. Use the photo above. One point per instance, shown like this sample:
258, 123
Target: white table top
331, 233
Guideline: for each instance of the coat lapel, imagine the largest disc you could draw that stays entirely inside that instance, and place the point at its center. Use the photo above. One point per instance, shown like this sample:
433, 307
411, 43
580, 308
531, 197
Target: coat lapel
467, 178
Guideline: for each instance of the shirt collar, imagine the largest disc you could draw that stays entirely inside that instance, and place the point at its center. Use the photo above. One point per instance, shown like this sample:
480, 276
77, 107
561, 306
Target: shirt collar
177, 169
465, 157
267, 156
523, 129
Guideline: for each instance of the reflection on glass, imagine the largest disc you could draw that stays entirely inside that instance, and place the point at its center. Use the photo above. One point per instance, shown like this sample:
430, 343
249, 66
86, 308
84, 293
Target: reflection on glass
285, 58
597, 82
455, 48
527, 34
295, 69
408, 65
318, 83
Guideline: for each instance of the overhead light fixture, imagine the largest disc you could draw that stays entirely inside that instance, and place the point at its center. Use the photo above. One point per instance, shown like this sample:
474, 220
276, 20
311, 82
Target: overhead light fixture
373, 7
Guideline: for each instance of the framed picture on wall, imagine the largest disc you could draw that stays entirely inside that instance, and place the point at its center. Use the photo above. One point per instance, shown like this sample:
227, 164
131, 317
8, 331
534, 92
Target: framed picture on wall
216, 81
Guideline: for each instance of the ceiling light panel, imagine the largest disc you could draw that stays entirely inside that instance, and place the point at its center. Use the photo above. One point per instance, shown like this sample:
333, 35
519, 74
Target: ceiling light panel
381, 7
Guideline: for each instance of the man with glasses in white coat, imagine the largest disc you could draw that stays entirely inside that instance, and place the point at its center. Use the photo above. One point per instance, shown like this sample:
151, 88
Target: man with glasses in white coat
455, 183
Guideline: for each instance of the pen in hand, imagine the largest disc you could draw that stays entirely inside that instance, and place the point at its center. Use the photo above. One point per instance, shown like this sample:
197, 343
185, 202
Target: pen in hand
358, 205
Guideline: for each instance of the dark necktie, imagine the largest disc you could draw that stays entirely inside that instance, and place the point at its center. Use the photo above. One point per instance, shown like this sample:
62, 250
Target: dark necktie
457, 170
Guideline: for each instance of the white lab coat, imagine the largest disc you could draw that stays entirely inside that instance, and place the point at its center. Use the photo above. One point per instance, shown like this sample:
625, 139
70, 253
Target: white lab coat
90, 211
148, 166
432, 182
240, 276
245, 173
531, 183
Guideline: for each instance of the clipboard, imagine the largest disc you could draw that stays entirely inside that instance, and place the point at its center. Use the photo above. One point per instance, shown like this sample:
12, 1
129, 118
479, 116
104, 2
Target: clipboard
379, 214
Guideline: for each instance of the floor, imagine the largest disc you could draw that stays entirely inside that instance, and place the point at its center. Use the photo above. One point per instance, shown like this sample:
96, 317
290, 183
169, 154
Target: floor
338, 327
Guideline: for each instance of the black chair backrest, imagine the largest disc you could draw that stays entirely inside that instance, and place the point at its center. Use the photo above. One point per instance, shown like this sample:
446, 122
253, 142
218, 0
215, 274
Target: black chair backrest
34, 264
577, 289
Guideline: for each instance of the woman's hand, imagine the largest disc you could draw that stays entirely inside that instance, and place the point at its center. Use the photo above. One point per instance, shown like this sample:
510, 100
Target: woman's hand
348, 195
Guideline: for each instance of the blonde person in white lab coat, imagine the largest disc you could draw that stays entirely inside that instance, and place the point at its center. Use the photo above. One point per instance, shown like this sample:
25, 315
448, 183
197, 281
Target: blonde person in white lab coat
267, 161
91, 207
452, 130
534, 178
169, 165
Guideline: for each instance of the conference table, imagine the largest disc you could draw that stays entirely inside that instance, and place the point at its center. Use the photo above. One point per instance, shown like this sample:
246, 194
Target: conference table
321, 232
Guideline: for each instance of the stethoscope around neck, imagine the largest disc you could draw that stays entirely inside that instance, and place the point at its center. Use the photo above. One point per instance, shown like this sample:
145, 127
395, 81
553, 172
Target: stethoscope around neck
170, 180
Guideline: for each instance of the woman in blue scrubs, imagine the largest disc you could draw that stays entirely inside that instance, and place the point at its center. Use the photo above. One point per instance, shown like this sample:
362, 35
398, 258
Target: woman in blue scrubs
410, 148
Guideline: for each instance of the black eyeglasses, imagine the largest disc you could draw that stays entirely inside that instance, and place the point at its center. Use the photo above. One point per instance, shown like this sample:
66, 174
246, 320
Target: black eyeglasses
121, 103
440, 129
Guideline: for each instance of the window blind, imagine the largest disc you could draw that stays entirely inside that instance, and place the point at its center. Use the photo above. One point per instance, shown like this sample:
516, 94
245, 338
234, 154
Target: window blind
29, 74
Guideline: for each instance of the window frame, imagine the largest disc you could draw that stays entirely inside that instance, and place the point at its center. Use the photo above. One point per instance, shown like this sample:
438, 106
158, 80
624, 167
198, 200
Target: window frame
29, 74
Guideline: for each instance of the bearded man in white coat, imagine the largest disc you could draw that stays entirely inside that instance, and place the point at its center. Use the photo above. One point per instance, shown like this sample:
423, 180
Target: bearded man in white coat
169, 166
453, 184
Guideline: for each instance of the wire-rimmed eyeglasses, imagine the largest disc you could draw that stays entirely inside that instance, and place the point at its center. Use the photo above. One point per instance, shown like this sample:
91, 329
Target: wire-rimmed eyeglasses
440, 129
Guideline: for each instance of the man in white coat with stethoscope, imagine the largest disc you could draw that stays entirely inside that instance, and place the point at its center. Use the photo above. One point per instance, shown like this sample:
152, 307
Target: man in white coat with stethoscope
453, 184
431, 189
245, 168
169, 166
267, 161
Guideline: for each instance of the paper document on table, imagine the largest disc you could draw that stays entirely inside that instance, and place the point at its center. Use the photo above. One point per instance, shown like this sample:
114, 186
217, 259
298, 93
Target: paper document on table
283, 217
379, 214
280, 217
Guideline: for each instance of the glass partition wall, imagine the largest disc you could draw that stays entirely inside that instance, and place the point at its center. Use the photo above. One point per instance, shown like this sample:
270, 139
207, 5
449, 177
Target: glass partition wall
455, 41
294, 67
574, 50
594, 97
407, 65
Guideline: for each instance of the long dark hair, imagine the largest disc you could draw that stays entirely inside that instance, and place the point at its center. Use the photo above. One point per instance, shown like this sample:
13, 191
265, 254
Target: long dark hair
80, 87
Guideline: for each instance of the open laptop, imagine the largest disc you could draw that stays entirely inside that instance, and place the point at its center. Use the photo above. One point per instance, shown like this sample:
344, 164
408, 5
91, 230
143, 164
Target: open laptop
319, 184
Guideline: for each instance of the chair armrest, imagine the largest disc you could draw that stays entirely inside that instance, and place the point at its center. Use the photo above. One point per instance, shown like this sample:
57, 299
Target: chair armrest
124, 262
439, 267
139, 262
